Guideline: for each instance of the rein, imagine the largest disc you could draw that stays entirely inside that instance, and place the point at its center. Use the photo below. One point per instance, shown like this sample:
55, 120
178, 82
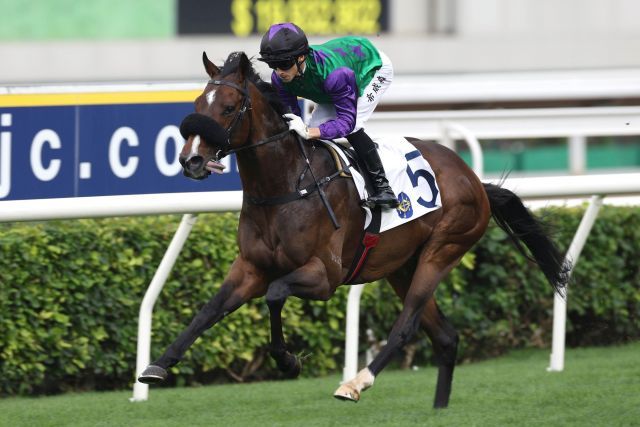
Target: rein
246, 105
299, 193
259, 143
302, 193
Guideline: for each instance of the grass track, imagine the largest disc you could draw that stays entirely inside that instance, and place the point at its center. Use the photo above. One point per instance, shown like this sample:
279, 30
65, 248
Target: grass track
599, 387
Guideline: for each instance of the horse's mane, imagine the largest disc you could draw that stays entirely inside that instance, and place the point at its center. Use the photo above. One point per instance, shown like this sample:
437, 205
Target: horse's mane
268, 91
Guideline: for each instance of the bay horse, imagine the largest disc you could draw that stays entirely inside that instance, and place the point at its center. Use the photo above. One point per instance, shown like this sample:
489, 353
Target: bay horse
292, 248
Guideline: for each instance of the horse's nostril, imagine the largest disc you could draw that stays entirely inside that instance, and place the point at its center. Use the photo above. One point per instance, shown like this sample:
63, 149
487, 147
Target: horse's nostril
195, 163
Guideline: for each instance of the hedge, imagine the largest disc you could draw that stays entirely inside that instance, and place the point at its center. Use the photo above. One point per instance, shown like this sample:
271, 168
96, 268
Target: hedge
70, 293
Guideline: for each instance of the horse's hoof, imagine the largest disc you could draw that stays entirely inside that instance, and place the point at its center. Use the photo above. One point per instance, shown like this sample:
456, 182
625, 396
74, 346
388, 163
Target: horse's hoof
153, 375
293, 368
347, 393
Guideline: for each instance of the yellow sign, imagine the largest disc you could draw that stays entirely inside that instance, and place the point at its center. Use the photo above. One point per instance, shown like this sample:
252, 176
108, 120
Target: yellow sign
315, 17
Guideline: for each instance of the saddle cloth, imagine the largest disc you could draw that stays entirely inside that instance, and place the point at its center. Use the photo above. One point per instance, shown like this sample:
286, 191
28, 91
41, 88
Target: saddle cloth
410, 176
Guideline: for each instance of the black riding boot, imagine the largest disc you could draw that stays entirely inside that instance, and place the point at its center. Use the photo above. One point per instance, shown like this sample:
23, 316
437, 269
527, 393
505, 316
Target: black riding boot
368, 153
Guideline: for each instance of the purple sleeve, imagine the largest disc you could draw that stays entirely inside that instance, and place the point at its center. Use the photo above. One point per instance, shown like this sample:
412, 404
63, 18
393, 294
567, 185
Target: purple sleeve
342, 88
287, 98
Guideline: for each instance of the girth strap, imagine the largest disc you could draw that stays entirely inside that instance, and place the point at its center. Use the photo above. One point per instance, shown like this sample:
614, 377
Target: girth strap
369, 240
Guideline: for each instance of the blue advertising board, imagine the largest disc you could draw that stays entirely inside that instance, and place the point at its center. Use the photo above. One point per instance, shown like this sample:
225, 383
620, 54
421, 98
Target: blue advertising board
97, 148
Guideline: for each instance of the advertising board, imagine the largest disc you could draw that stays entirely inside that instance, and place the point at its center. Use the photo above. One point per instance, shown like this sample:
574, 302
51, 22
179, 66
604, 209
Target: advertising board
97, 144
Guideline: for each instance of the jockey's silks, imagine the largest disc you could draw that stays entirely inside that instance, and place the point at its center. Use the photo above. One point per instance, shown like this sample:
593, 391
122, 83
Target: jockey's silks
355, 53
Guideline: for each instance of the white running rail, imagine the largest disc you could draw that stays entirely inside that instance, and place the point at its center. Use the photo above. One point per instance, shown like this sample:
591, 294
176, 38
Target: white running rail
186, 203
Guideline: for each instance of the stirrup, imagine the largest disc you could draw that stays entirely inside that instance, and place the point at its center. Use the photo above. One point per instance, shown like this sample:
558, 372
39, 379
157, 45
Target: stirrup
387, 204
368, 204
390, 202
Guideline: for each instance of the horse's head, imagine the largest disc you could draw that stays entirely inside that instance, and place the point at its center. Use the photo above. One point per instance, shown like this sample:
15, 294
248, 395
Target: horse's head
219, 123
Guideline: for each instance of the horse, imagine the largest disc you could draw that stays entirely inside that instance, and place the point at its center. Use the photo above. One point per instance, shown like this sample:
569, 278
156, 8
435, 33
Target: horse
291, 247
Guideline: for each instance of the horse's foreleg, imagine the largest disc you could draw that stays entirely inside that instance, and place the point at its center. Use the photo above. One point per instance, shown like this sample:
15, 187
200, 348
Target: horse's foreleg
287, 363
237, 289
309, 281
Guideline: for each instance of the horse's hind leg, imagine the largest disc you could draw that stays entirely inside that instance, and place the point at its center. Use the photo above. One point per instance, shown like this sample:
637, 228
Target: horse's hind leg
445, 347
432, 266
443, 336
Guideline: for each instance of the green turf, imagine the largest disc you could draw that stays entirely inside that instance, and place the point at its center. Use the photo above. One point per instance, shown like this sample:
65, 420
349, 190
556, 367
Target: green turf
599, 387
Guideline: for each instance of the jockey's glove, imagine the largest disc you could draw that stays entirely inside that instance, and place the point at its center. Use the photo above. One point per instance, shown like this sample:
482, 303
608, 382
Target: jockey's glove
297, 125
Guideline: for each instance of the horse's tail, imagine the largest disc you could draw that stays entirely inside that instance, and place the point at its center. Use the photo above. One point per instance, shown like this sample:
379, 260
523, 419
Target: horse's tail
523, 227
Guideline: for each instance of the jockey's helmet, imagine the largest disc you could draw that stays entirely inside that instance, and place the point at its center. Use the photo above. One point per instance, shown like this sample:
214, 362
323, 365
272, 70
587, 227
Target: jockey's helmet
282, 44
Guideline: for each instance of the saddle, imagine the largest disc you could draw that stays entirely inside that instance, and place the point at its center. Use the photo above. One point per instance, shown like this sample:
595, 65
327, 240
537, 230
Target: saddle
347, 159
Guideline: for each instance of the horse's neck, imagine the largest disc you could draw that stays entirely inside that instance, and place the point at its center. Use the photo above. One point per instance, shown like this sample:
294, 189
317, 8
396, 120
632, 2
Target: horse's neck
271, 169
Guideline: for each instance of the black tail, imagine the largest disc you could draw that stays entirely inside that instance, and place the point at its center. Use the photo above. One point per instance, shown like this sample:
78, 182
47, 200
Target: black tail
523, 227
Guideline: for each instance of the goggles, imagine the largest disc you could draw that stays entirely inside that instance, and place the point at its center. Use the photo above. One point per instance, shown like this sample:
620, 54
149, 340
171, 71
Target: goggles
283, 64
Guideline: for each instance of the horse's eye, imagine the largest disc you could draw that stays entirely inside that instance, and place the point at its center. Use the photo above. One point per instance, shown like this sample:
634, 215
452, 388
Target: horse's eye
228, 110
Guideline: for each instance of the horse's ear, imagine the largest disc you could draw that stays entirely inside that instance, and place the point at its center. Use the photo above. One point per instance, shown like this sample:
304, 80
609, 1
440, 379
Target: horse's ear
245, 65
212, 70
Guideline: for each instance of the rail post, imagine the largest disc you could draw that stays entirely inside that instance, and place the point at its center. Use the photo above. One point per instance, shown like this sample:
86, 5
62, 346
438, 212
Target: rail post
140, 390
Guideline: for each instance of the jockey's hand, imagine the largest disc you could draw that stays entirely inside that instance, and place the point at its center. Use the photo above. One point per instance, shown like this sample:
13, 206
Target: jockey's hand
297, 125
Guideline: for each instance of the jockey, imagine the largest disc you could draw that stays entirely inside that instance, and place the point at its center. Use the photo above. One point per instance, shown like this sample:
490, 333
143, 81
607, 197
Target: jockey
346, 78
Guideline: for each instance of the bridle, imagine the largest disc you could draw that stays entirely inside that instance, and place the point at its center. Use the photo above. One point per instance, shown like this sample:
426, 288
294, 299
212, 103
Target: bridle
246, 105
224, 151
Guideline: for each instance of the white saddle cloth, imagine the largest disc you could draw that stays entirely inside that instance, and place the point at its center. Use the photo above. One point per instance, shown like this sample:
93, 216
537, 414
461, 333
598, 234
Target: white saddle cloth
411, 178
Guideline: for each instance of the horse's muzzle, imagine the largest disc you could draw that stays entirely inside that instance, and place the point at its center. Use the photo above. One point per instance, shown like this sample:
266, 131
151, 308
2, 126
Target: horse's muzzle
213, 135
193, 166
